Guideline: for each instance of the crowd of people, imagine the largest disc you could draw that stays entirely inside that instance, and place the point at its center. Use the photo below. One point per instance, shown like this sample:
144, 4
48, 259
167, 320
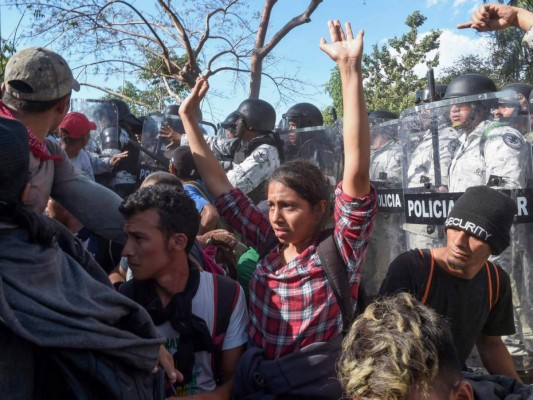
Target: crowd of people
255, 264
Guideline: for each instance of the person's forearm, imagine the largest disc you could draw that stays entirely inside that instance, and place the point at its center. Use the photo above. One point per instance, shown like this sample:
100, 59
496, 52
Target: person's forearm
524, 18
496, 358
208, 219
356, 132
212, 174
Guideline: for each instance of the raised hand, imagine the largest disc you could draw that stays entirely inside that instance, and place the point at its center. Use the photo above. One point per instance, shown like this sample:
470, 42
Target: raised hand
491, 17
344, 48
192, 102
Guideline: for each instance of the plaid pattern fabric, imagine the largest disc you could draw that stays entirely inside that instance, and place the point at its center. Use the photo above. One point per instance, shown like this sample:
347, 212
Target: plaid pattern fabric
292, 305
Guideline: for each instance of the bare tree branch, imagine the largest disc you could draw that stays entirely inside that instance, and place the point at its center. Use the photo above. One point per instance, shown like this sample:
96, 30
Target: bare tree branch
261, 50
116, 94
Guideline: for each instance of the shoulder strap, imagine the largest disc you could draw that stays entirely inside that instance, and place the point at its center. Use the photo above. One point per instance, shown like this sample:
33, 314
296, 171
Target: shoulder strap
427, 257
493, 283
335, 270
226, 295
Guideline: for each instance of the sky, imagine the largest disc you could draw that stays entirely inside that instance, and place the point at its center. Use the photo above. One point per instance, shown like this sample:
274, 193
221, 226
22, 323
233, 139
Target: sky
299, 50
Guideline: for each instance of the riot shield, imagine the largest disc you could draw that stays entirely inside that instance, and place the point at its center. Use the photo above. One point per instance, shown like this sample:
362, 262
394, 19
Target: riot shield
105, 140
319, 145
387, 240
385, 155
154, 154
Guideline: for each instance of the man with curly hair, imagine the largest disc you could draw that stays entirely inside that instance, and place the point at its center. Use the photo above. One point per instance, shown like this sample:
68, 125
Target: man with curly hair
161, 226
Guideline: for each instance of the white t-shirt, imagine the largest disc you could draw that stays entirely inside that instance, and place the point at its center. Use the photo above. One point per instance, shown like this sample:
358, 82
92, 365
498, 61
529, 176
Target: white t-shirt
203, 306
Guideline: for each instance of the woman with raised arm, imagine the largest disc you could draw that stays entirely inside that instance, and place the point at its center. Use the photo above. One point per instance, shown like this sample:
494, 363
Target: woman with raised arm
294, 314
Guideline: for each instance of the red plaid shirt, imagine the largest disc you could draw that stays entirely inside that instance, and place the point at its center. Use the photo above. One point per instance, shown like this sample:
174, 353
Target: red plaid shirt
293, 305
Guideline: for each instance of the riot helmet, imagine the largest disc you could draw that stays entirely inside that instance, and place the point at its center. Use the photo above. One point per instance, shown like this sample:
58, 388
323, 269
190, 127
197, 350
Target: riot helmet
379, 116
304, 115
124, 114
231, 120
508, 106
469, 85
230, 124
466, 116
256, 115
424, 96
104, 115
172, 109
523, 90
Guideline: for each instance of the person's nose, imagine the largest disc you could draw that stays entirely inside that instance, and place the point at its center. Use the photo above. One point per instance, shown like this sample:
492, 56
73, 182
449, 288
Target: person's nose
127, 250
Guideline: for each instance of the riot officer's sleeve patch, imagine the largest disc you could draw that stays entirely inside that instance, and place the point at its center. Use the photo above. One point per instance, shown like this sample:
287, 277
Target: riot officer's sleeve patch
512, 140
261, 156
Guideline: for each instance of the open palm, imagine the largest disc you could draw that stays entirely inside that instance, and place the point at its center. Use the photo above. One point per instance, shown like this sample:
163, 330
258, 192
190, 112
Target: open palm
343, 45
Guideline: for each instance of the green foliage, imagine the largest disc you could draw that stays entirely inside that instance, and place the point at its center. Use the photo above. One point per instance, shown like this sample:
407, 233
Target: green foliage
7, 49
472, 63
388, 71
143, 101
327, 114
155, 68
152, 95
334, 89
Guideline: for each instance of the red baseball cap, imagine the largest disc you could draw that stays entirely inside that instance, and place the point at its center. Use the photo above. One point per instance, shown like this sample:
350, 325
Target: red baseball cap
76, 125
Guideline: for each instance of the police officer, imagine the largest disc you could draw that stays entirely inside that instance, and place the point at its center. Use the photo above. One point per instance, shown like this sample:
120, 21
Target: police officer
124, 180
385, 150
420, 174
225, 143
489, 153
260, 151
421, 170
172, 127
302, 115
513, 107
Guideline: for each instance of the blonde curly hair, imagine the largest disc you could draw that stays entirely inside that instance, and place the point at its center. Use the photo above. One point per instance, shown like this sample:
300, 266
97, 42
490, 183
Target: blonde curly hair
396, 347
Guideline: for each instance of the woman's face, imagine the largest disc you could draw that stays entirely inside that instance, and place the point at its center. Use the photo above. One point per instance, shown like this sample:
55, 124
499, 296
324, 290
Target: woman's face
293, 219
459, 114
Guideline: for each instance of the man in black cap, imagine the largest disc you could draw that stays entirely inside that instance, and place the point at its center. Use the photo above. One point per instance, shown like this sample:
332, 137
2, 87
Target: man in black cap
460, 283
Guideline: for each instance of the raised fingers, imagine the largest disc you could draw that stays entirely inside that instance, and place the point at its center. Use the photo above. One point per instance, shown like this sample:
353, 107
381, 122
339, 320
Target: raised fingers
349, 32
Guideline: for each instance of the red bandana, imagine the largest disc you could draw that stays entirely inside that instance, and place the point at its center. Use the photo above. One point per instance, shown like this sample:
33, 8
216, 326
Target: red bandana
37, 147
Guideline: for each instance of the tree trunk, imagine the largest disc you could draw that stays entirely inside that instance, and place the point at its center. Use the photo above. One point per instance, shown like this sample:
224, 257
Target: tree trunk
256, 70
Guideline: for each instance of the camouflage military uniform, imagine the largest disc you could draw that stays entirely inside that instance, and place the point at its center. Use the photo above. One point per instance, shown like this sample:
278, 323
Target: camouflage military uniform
422, 169
387, 159
491, 149
255, 169
421, 163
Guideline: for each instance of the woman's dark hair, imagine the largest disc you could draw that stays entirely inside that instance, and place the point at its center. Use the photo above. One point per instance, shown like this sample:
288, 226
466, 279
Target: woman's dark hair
305, 179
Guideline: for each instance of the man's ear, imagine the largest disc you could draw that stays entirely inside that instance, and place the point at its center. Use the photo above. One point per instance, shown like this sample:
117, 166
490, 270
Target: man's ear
462, 391
63, 105
178, 242
3, 88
